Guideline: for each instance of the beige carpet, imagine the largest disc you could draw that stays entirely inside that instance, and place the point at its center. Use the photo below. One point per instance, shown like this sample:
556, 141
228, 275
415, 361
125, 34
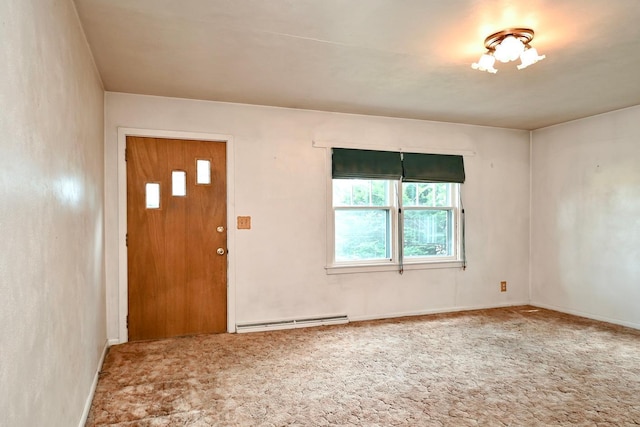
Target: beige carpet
518, 366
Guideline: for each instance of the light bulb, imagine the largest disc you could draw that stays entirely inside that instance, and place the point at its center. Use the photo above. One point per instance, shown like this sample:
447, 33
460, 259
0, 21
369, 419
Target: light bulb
529, 57
509, 49
485, 63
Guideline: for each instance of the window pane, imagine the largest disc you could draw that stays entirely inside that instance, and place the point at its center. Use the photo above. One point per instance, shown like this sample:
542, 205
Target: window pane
362, 234
178, 183
360, 192
203, 171
152, 195
427, 233
427, 194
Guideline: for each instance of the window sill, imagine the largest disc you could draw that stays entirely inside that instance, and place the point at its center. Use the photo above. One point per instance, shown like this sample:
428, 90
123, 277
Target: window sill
373, 268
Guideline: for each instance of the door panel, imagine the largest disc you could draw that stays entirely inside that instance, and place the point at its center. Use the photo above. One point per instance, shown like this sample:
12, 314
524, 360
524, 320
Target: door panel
177, 282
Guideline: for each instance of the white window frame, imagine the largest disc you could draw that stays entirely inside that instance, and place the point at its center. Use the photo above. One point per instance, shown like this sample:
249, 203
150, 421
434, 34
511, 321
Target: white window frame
393, 232
456, 215
393, 264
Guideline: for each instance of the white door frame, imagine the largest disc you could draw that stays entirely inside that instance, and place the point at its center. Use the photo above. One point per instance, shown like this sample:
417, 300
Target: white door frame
123, 286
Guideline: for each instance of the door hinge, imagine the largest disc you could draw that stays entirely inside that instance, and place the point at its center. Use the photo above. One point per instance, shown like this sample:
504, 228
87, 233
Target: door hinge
126, 240
125, 154
127, 321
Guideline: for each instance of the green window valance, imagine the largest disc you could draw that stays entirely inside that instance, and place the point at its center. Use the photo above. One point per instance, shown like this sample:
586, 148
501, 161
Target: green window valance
432, 168
366, 164
410, 167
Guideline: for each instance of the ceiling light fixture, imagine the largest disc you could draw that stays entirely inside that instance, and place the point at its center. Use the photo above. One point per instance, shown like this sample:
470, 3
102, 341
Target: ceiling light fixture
508, 45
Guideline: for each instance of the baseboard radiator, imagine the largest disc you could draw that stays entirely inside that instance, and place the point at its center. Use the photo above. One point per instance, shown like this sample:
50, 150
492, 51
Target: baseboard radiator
292, 324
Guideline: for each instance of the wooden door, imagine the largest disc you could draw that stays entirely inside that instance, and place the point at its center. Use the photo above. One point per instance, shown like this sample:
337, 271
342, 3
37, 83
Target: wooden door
177, 239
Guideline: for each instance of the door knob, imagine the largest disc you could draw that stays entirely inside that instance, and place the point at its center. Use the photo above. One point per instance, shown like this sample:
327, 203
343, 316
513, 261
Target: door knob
220, 229
220, 251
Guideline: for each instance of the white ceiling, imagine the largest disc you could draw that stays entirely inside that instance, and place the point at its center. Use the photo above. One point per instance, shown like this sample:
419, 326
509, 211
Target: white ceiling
399, 58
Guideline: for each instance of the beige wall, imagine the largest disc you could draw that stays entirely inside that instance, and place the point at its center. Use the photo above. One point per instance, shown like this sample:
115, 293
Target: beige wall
585, 256
52, 304
280, 180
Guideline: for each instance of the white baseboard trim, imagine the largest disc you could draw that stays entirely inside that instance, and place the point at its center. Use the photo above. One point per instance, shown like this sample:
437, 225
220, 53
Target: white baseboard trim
94, 384
435, 311
114, 341
292, 324
586, 315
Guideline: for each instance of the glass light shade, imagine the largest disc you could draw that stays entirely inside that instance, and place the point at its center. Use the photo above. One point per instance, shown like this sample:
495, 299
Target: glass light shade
485, 63
529, 57
509, 49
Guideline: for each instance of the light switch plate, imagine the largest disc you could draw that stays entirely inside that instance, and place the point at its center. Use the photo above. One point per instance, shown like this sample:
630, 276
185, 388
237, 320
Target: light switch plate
244, 223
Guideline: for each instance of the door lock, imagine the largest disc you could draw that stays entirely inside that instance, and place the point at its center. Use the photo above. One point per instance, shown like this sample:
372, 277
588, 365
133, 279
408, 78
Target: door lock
220, 251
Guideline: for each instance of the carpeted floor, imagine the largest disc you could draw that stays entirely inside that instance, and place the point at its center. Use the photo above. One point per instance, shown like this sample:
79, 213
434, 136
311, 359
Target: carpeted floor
518, 366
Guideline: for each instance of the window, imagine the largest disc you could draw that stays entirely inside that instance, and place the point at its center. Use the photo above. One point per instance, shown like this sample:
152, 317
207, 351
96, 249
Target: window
387, 213
370, 220
152, 195
203, 172
363, 220
178, 183
429, 219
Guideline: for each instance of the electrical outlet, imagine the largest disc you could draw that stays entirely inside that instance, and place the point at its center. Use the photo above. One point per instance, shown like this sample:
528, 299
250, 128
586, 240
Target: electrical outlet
503, 286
